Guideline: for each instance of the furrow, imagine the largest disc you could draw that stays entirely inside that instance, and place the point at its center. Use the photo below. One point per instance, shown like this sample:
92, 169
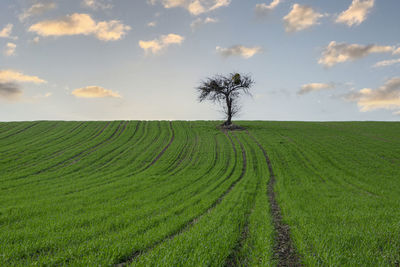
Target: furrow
284, 249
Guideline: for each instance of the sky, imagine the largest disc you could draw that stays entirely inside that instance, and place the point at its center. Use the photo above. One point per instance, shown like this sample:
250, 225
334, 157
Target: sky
311, 60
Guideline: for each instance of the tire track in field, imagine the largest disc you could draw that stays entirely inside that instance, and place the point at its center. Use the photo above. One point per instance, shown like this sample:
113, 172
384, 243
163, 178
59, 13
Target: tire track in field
284, 250
191, 223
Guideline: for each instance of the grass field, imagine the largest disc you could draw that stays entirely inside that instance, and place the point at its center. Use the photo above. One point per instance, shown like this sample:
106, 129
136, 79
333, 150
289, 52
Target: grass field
188, 194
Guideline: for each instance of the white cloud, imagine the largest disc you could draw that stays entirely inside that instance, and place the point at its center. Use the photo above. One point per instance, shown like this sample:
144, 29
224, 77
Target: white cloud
195, 7
385, 63
396, 113
6, 31
356, 13
10, 76
97, 4
385, 97
239, 50
94, 92
300, 18
199, 21
264, 9
10, 49
37, 9
157, 45
314, 87
9, 83
336, 53
397, 51
81, 24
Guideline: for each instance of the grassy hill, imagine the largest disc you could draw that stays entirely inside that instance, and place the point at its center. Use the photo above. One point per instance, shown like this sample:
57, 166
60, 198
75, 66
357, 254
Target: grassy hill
188, 194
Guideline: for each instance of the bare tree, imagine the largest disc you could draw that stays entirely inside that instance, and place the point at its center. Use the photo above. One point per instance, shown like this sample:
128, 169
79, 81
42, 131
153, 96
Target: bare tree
226, 90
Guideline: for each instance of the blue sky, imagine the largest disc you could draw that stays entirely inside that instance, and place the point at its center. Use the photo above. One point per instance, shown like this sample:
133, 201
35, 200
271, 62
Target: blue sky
140, 60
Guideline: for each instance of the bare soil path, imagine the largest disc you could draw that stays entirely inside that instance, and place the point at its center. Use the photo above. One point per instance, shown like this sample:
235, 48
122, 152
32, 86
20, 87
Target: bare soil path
284, 250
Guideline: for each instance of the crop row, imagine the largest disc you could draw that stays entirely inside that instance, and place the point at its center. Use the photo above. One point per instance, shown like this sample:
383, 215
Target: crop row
100, 193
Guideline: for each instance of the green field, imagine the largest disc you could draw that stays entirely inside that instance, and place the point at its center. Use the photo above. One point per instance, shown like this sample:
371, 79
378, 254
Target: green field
188, 194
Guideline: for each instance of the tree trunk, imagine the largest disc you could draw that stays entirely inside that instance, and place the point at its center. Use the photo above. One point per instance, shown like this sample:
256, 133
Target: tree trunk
229, 112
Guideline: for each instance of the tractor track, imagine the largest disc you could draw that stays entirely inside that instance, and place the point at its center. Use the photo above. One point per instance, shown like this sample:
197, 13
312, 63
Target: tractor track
284, 250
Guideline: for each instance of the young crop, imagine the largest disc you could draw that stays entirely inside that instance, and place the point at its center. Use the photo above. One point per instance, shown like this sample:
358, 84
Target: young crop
188, 194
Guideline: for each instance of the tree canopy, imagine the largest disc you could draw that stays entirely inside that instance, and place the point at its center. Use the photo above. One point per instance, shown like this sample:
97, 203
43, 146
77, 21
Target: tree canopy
226, 91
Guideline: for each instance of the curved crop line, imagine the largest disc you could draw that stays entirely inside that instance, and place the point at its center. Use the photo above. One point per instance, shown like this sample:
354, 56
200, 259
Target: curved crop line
64, 161
54, 137
96, 147
185, 186
72, 145
62, 150
37, 137
128, 141
162, 151
81, 168
192, 222
8, 127
234, 258
20, 131
88, 149
69, 136
177, 166
181, 156
38, 155
149, 227
212, 166
315, 171
109, 181
284, 249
